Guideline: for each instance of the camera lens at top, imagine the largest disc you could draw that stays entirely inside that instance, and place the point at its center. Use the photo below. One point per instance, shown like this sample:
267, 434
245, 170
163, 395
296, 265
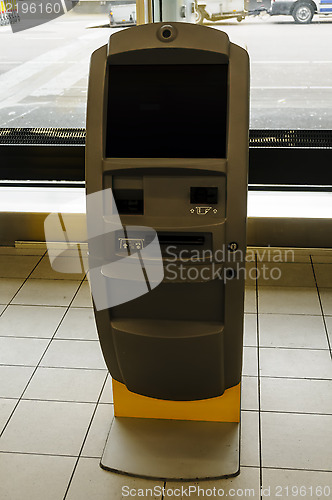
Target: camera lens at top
167, 33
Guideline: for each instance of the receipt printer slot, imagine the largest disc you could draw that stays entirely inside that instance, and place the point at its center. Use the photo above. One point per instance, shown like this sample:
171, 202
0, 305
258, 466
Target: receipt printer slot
129, 201
128, 194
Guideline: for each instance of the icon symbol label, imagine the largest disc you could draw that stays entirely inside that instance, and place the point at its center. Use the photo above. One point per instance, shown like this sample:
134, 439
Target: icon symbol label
202, 210
132, 243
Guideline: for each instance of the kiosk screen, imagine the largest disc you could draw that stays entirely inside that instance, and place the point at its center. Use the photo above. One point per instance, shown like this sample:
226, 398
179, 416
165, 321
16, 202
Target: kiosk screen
167, 111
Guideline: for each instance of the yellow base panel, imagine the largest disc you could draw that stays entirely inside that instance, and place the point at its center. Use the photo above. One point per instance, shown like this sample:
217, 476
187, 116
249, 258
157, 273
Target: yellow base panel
225, 408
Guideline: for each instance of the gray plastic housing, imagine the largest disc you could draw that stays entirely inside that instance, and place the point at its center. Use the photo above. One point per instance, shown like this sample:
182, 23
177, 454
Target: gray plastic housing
183, 339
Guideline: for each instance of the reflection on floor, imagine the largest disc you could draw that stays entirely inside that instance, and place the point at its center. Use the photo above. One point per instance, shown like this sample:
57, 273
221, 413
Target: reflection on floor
56, 399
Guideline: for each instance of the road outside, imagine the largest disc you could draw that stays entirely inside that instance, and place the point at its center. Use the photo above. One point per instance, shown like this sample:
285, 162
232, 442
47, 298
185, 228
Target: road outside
44, 70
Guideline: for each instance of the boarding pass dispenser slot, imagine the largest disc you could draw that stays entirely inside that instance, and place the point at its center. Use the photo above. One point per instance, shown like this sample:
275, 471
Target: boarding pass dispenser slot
128, 194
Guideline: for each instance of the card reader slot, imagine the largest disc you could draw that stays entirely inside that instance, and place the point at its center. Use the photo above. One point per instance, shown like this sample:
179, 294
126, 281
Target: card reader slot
181, 239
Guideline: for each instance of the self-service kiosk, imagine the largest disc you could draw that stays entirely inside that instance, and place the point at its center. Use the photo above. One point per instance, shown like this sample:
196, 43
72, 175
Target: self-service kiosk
166, 183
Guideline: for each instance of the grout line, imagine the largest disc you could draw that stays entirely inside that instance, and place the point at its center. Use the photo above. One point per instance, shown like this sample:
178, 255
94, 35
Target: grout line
248, 467
51, 278
48, 338
57, 367
3, 452
287, 412
58, 400
13, 254
321, 307
302, 470
46, 305
288, 313
163, 494
259, 389
296, 378
49, 343
70, 401
85, 438
289, 348
53, 305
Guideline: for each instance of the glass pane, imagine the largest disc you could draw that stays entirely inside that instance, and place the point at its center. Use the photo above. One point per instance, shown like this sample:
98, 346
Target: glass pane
44, 69
290, 57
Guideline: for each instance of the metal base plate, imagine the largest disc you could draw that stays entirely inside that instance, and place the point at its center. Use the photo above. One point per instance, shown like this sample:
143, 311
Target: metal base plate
172, 449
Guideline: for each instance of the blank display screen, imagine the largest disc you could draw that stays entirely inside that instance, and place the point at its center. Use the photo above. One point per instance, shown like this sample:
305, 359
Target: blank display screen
167, 111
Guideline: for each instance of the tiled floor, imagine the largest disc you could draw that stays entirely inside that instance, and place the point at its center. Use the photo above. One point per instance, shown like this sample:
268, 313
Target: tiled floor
56, 398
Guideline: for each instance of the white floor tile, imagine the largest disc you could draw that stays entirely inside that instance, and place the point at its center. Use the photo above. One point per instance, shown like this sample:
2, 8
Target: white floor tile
92, 482
2, 308
83, 298
14, 351
326, 298
34, 477
79, 323
6, 408
30, 321
64, 268
283, 274
323, 273
65, 384
288, 300
296, 395
296, 441
249, 453
292, 330
328, 320
250, 300
250, 362
107, 394
248, 480
54, 428
250, 330
13, 380
74, 354
298, 363
283, 483
47, 292
13, 266
249, 393
98, 432
8, 288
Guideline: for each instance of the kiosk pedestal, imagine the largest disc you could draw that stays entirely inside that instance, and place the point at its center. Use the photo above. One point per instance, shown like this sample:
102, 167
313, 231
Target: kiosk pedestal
172, 449
174, 440
167, 135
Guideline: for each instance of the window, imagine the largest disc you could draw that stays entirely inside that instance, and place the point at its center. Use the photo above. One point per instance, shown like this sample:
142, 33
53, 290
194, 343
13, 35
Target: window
44, 69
